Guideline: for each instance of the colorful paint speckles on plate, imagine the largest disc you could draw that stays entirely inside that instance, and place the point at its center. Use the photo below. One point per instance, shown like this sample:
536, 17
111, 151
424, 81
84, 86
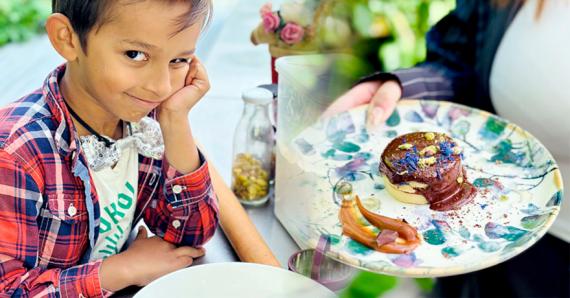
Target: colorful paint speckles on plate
519, 189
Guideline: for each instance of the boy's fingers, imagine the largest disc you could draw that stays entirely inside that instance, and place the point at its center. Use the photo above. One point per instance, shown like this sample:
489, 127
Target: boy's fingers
186, 261
383, 103
191, 71
190, 251
197, 83
200, 79
200, 70
196, 73
358, 95
141, 233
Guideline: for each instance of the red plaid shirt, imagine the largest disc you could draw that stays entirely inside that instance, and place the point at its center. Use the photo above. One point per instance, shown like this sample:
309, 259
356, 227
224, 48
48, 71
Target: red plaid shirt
49, 210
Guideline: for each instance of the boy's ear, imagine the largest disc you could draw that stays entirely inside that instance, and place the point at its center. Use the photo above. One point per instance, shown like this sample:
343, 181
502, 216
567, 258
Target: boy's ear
63, 37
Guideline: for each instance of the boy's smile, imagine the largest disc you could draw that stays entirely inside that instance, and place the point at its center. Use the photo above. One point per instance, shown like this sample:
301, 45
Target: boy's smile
132, 63
147, 104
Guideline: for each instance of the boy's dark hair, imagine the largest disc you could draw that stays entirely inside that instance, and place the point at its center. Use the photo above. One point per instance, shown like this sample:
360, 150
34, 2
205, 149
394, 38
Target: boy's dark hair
85, 15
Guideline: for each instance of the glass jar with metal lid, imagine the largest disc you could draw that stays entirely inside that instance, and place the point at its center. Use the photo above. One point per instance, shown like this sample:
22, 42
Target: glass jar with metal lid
253, 149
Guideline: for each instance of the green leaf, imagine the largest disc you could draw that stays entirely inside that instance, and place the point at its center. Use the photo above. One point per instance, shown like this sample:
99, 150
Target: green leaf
390, 55
22, 19
425, 284
362, 18
369, 285
439, 9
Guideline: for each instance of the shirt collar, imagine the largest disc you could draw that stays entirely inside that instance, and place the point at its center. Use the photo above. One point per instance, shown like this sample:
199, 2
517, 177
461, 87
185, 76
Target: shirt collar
65, 136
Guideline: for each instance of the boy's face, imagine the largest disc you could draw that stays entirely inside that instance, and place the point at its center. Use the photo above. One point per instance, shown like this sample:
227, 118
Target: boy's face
136, 59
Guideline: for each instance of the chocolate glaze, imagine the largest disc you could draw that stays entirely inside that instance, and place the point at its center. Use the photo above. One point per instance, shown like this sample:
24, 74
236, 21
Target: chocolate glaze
448, 187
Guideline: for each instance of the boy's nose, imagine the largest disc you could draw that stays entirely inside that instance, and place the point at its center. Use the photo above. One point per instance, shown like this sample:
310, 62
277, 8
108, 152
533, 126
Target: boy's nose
158, 83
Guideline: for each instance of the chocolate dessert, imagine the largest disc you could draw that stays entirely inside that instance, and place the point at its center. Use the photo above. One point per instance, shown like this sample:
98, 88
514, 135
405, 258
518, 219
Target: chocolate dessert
425, 168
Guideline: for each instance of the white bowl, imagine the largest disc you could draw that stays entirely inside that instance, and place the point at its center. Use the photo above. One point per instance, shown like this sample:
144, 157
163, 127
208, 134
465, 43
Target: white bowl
234, 280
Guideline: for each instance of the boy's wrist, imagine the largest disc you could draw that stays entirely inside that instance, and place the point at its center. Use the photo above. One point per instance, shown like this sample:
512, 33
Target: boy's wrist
114, 274
172, 118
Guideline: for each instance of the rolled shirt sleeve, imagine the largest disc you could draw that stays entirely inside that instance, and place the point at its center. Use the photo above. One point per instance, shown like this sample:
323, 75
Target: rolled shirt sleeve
186, 209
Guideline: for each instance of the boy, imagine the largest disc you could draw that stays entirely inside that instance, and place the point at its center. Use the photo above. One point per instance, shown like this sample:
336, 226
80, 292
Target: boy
83, 159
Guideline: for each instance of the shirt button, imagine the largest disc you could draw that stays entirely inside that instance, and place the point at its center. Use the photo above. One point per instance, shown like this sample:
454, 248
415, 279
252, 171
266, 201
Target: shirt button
176, 223
71, 210
177, 189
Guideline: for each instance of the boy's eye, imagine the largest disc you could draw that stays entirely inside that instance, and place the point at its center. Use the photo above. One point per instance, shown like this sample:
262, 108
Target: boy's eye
136, 56
180, 60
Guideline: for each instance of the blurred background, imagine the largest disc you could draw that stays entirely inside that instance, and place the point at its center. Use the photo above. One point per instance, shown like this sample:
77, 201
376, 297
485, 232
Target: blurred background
381, 35
22, 19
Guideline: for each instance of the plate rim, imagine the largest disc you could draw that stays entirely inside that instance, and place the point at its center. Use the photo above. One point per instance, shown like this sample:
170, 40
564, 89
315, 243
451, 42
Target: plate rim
232, 264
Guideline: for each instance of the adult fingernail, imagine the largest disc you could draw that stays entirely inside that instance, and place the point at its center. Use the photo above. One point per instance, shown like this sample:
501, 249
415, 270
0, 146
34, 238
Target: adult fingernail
376, 114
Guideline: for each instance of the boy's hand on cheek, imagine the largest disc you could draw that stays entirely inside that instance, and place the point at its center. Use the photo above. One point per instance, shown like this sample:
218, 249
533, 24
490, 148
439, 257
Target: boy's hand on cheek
195, 86
180, 149
146, 260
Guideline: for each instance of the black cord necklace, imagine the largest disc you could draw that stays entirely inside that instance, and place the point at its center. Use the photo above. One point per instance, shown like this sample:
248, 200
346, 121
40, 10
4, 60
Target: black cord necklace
99, 137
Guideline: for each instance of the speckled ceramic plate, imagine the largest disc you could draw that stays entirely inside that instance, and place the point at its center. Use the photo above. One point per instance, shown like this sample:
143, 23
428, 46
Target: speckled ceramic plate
519, 189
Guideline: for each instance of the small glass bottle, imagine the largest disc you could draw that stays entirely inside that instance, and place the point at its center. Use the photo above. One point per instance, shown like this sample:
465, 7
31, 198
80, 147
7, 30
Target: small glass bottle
253, 149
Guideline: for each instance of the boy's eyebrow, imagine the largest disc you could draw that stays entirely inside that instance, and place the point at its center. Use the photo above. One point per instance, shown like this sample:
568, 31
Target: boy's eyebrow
188, 53
141, 44
148, 46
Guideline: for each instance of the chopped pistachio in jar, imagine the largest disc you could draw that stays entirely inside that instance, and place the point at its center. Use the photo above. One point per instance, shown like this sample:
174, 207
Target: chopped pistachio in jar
251, 181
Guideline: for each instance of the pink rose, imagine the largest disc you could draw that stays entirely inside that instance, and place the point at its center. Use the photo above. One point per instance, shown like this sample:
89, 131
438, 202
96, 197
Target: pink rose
292, 33
270, 21
265, 8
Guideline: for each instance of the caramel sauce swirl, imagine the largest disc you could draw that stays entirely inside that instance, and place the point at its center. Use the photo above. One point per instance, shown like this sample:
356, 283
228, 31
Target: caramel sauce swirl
408, 237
